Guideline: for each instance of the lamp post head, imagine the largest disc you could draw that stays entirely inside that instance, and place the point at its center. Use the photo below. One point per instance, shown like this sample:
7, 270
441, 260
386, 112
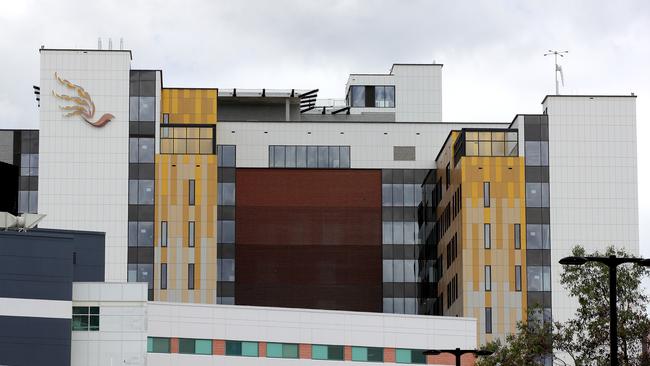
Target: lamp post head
431, 352
573, 261
644, 262
483, 352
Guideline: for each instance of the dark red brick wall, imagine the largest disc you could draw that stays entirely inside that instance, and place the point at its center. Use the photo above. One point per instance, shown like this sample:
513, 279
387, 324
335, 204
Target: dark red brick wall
309, 238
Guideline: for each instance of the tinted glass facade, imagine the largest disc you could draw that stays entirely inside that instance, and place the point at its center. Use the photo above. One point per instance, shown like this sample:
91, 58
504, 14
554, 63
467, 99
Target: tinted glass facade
142, 116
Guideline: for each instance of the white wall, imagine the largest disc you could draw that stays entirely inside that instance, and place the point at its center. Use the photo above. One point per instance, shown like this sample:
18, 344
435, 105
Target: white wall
593, 180
418, 93
371, 144
300, 326
122, 337
83, 170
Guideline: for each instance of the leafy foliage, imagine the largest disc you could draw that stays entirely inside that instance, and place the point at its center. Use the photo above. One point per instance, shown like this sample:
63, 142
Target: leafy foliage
585, 337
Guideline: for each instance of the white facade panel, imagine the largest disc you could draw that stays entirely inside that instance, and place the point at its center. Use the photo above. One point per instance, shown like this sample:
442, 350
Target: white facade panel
371, 144
83, 170
122, 337
593, 181
36, 308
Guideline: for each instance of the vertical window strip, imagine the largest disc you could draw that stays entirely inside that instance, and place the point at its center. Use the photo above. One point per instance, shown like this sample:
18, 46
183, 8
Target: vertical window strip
517, 278
191, 192
191, 234
190, 276
486, 194
163, 233
488, 320
163, 276
517, 235
487, 236
488, 278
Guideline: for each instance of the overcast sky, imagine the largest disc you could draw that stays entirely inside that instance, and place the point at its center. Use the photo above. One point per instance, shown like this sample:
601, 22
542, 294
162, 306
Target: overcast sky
492, 50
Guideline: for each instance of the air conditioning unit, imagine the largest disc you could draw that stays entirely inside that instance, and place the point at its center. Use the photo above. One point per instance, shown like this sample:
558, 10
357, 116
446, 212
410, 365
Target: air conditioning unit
22, 222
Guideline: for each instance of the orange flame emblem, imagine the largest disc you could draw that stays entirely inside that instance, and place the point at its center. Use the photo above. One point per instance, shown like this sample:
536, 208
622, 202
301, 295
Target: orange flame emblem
84, 105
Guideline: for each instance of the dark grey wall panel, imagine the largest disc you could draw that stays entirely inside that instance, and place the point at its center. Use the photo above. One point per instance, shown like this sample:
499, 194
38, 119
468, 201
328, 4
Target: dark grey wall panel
34, 341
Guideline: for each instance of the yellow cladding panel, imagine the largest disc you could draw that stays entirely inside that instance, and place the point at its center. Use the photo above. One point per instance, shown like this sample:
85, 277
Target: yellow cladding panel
190, 106
173, 206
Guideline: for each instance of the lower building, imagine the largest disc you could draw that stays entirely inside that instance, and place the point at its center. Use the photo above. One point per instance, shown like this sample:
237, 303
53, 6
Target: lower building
56, 309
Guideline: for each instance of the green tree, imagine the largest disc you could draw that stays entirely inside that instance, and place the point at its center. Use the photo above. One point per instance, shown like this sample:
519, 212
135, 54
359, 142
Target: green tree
528, 346
585, 337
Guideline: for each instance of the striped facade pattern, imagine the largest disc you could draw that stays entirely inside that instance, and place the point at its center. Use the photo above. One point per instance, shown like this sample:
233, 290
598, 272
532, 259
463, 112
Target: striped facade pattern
190, 106
305, 353
172, 205
506, 177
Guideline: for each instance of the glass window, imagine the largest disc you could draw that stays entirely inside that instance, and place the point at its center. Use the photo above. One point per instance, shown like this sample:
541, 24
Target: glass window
410, 270
158, 345
487, 236
398, 195
471, 148
301, 156
274, 350
233, 348
543, 147
186, 346
190, 276
226, 269
386, 194
133, 150
291, 157
488, 320
147, 108
318, 352
410, 232
538, 278
533, 194
403, 356
163, 276
132, 272
190, 234
163, 233
388, 305
546, 198
146, 150
203, 347
145, 274
334, 157
133, 192
409, 195
380, 97
85, 318
312, 157
410, 306
398, 232
249, 349
191, 192
226, 194
398, 305
517, 278
533, 153
367, 354
389, 96
227, 232
488, 278
358, 93
398, 270
486, 194
533, 236
335, 353
484, 148
517, 236
33, 201
133, 108
323, 159
145, 192
278, 156
228, 158
387, 265
33, 165
145, 234
387, 232
344, 155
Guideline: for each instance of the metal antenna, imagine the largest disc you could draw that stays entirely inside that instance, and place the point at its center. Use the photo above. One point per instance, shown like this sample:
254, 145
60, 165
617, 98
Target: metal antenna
558, 68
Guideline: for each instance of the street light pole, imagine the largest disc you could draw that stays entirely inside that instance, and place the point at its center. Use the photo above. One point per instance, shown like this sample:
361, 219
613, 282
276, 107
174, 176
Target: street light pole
613, 316
611, 262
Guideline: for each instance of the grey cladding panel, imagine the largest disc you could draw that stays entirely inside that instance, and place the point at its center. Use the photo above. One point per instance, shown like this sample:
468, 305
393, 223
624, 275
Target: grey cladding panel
404, 153
34, 341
